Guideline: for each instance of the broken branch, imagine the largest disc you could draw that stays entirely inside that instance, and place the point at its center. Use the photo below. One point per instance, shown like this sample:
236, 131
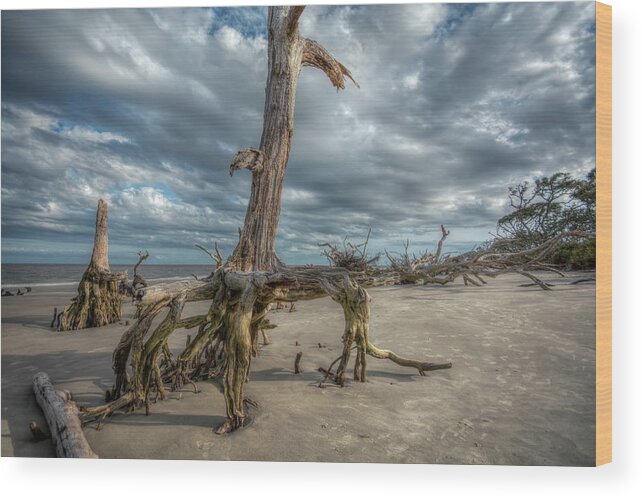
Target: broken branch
317, 56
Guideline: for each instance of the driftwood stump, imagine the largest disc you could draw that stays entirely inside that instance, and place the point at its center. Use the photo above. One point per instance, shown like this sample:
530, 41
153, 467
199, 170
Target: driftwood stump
98, 301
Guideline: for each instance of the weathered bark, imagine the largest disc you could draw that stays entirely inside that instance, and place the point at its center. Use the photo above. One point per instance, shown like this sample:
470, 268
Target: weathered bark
99, 300
100, 259
62, 418
288, 51
238, 354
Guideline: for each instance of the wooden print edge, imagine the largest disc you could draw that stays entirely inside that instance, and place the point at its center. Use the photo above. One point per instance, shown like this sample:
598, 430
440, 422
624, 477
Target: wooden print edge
603, 233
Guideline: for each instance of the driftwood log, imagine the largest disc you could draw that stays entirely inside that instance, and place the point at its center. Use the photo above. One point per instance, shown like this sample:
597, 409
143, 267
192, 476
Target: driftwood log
98, 301
63, 419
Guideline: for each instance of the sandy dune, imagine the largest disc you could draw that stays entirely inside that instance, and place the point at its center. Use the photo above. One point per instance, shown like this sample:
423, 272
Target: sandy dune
521, 390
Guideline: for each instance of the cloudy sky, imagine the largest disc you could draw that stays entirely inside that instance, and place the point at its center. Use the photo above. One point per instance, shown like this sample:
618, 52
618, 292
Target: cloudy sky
146, 108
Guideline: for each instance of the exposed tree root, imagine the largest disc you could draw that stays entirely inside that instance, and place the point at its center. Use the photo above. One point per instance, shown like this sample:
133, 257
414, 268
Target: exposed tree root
253, 276
355, 302
98, 302
227, 337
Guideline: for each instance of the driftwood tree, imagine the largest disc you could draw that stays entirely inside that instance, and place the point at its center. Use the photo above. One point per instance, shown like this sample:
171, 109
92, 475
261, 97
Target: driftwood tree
241, 288
288, 51
98, 301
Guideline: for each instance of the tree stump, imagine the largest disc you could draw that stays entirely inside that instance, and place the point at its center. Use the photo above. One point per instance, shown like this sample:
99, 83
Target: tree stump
98, 301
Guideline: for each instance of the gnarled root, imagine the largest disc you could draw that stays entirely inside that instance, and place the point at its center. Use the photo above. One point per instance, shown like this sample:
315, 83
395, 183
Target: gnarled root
228, 336
238, 354
134, 335
98, 301
356, 304
99, 413
206, 344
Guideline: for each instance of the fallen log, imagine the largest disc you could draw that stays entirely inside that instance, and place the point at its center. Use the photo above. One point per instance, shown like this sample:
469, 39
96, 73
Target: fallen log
63, 419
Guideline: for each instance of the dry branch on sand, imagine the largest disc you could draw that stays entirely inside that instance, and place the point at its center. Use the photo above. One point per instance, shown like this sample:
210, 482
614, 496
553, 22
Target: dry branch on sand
352, 257
474, 266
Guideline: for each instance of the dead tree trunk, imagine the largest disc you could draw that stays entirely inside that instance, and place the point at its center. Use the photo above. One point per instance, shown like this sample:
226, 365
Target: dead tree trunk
98, 301
288, 51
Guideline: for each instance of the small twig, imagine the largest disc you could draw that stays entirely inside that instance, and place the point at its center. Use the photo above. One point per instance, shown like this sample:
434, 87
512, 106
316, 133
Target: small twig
580, 280
216, 257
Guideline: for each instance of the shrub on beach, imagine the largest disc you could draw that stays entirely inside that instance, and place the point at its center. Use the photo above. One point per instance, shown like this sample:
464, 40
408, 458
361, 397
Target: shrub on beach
576, 255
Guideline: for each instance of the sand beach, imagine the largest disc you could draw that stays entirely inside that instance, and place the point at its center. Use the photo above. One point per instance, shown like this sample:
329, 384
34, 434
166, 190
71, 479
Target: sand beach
521, 390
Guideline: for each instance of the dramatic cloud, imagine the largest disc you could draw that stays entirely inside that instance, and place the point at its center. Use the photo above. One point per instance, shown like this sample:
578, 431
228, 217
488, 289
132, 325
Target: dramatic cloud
146, 108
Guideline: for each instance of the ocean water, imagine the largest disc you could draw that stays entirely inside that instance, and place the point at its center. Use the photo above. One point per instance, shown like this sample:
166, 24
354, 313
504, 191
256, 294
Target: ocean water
14, 275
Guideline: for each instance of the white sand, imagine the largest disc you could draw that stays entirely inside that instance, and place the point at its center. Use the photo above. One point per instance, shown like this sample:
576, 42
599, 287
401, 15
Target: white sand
521, 390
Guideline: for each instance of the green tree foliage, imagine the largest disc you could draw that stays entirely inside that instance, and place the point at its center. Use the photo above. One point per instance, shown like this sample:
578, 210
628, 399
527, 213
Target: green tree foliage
548, 207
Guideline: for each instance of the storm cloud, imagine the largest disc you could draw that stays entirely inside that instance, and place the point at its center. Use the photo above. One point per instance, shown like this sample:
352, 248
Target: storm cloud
146, 108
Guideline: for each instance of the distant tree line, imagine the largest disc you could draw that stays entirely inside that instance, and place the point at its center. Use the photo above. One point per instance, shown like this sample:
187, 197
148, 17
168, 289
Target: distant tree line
549, 206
